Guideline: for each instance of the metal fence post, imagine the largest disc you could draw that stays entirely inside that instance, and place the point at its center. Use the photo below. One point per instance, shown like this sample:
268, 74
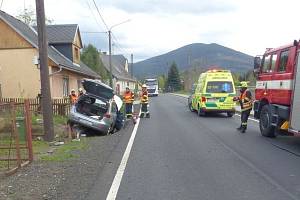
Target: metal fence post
28, 129
15, 134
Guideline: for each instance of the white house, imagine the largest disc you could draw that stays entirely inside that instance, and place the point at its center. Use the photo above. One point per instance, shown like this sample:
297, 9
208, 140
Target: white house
120, 72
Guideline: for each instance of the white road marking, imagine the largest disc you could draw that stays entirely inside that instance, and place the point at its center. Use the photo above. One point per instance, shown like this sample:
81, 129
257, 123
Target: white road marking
112, 194
252, 119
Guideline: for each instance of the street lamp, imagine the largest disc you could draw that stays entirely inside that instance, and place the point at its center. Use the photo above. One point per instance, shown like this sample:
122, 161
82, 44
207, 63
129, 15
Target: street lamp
109, 44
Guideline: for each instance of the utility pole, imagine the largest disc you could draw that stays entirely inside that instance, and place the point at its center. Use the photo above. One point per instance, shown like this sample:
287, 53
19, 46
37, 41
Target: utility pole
110, 53
131, 65
44, 71
110, 65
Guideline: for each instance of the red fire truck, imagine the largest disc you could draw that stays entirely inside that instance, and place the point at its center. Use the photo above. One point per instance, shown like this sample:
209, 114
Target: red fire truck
277, 92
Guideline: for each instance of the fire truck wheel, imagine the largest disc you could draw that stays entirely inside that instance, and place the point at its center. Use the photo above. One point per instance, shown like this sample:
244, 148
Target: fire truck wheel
265, 122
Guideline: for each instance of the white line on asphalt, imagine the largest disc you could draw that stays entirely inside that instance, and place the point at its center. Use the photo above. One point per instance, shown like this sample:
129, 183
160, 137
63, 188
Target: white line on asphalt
255, 120
112, 194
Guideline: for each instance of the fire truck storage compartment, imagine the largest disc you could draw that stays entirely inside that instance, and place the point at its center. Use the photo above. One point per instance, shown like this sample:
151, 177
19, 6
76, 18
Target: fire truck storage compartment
295, 110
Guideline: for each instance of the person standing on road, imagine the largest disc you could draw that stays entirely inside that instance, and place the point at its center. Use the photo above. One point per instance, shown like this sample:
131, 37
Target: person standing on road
80, 92
128, 99
73, 97
245, 100
144, 101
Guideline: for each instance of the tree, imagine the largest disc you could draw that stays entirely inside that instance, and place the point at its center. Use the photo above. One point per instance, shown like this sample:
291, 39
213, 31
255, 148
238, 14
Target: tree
28, 16
251, 78
173, 81
161, 81
236, 77
90, 56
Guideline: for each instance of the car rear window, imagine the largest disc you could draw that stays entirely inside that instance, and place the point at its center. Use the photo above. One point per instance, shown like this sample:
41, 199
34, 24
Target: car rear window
219, 87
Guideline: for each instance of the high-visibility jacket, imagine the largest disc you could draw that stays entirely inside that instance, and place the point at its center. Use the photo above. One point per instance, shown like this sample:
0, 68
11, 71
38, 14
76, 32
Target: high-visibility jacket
245, 100
128, 97
73, 98
144, 97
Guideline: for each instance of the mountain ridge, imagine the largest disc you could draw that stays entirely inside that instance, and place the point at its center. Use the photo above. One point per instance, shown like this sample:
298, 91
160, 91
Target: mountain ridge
195, 55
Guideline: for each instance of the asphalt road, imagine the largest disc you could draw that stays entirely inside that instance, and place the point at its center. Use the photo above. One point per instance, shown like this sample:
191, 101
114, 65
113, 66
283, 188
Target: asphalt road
178, 155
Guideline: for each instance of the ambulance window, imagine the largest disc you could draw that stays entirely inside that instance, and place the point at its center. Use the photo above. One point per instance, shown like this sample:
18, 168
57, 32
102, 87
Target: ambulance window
273, 64
283, 61
266, 63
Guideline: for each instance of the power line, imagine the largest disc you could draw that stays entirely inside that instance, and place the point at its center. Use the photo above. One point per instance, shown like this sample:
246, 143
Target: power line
1, 4
108, 29
100, 15
87, 2
94, 32
119, 45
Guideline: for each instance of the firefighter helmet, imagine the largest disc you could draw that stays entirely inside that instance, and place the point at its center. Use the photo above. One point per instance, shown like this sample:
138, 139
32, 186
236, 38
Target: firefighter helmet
144, 86
244, 84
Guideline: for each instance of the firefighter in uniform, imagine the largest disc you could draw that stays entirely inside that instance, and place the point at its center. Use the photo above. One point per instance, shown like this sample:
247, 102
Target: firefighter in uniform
80, 92
128, 99
245, 100
73, 97
144, 102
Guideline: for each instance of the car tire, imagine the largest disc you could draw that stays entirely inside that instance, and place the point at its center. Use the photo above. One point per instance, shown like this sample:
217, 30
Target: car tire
265, 122
110, 130
201, 113
230, 114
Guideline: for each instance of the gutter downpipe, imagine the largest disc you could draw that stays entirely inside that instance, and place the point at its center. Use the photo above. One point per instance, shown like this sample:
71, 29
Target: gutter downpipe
60, 69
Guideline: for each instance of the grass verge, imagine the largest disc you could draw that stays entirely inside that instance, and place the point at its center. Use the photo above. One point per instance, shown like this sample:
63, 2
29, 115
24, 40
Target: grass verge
65, 152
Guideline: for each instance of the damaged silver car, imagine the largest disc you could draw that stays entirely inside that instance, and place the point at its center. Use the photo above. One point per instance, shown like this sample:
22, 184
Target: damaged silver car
97, 109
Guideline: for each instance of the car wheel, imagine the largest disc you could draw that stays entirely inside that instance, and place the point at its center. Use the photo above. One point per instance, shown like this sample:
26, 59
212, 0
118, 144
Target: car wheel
265, 122
230, 114
201, 113
109, 130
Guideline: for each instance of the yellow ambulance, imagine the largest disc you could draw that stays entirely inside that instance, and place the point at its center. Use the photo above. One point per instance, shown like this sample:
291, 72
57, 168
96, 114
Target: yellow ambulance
213, 92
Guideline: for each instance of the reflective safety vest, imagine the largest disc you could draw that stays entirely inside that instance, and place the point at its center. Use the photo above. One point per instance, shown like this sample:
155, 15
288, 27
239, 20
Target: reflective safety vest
128, 97
73, 98
144, 97
246, 102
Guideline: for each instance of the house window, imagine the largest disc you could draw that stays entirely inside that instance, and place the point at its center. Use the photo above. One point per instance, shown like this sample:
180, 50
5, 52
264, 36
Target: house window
283, 61
76, 54
65, 86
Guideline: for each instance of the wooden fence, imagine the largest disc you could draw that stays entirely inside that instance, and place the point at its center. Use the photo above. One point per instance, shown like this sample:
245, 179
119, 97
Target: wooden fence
59, 106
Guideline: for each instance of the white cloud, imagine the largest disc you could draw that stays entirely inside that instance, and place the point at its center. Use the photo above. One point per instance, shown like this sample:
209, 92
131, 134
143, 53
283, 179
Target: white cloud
160, 26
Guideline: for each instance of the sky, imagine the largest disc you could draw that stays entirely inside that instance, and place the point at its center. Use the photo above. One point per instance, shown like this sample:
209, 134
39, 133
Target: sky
159, 26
